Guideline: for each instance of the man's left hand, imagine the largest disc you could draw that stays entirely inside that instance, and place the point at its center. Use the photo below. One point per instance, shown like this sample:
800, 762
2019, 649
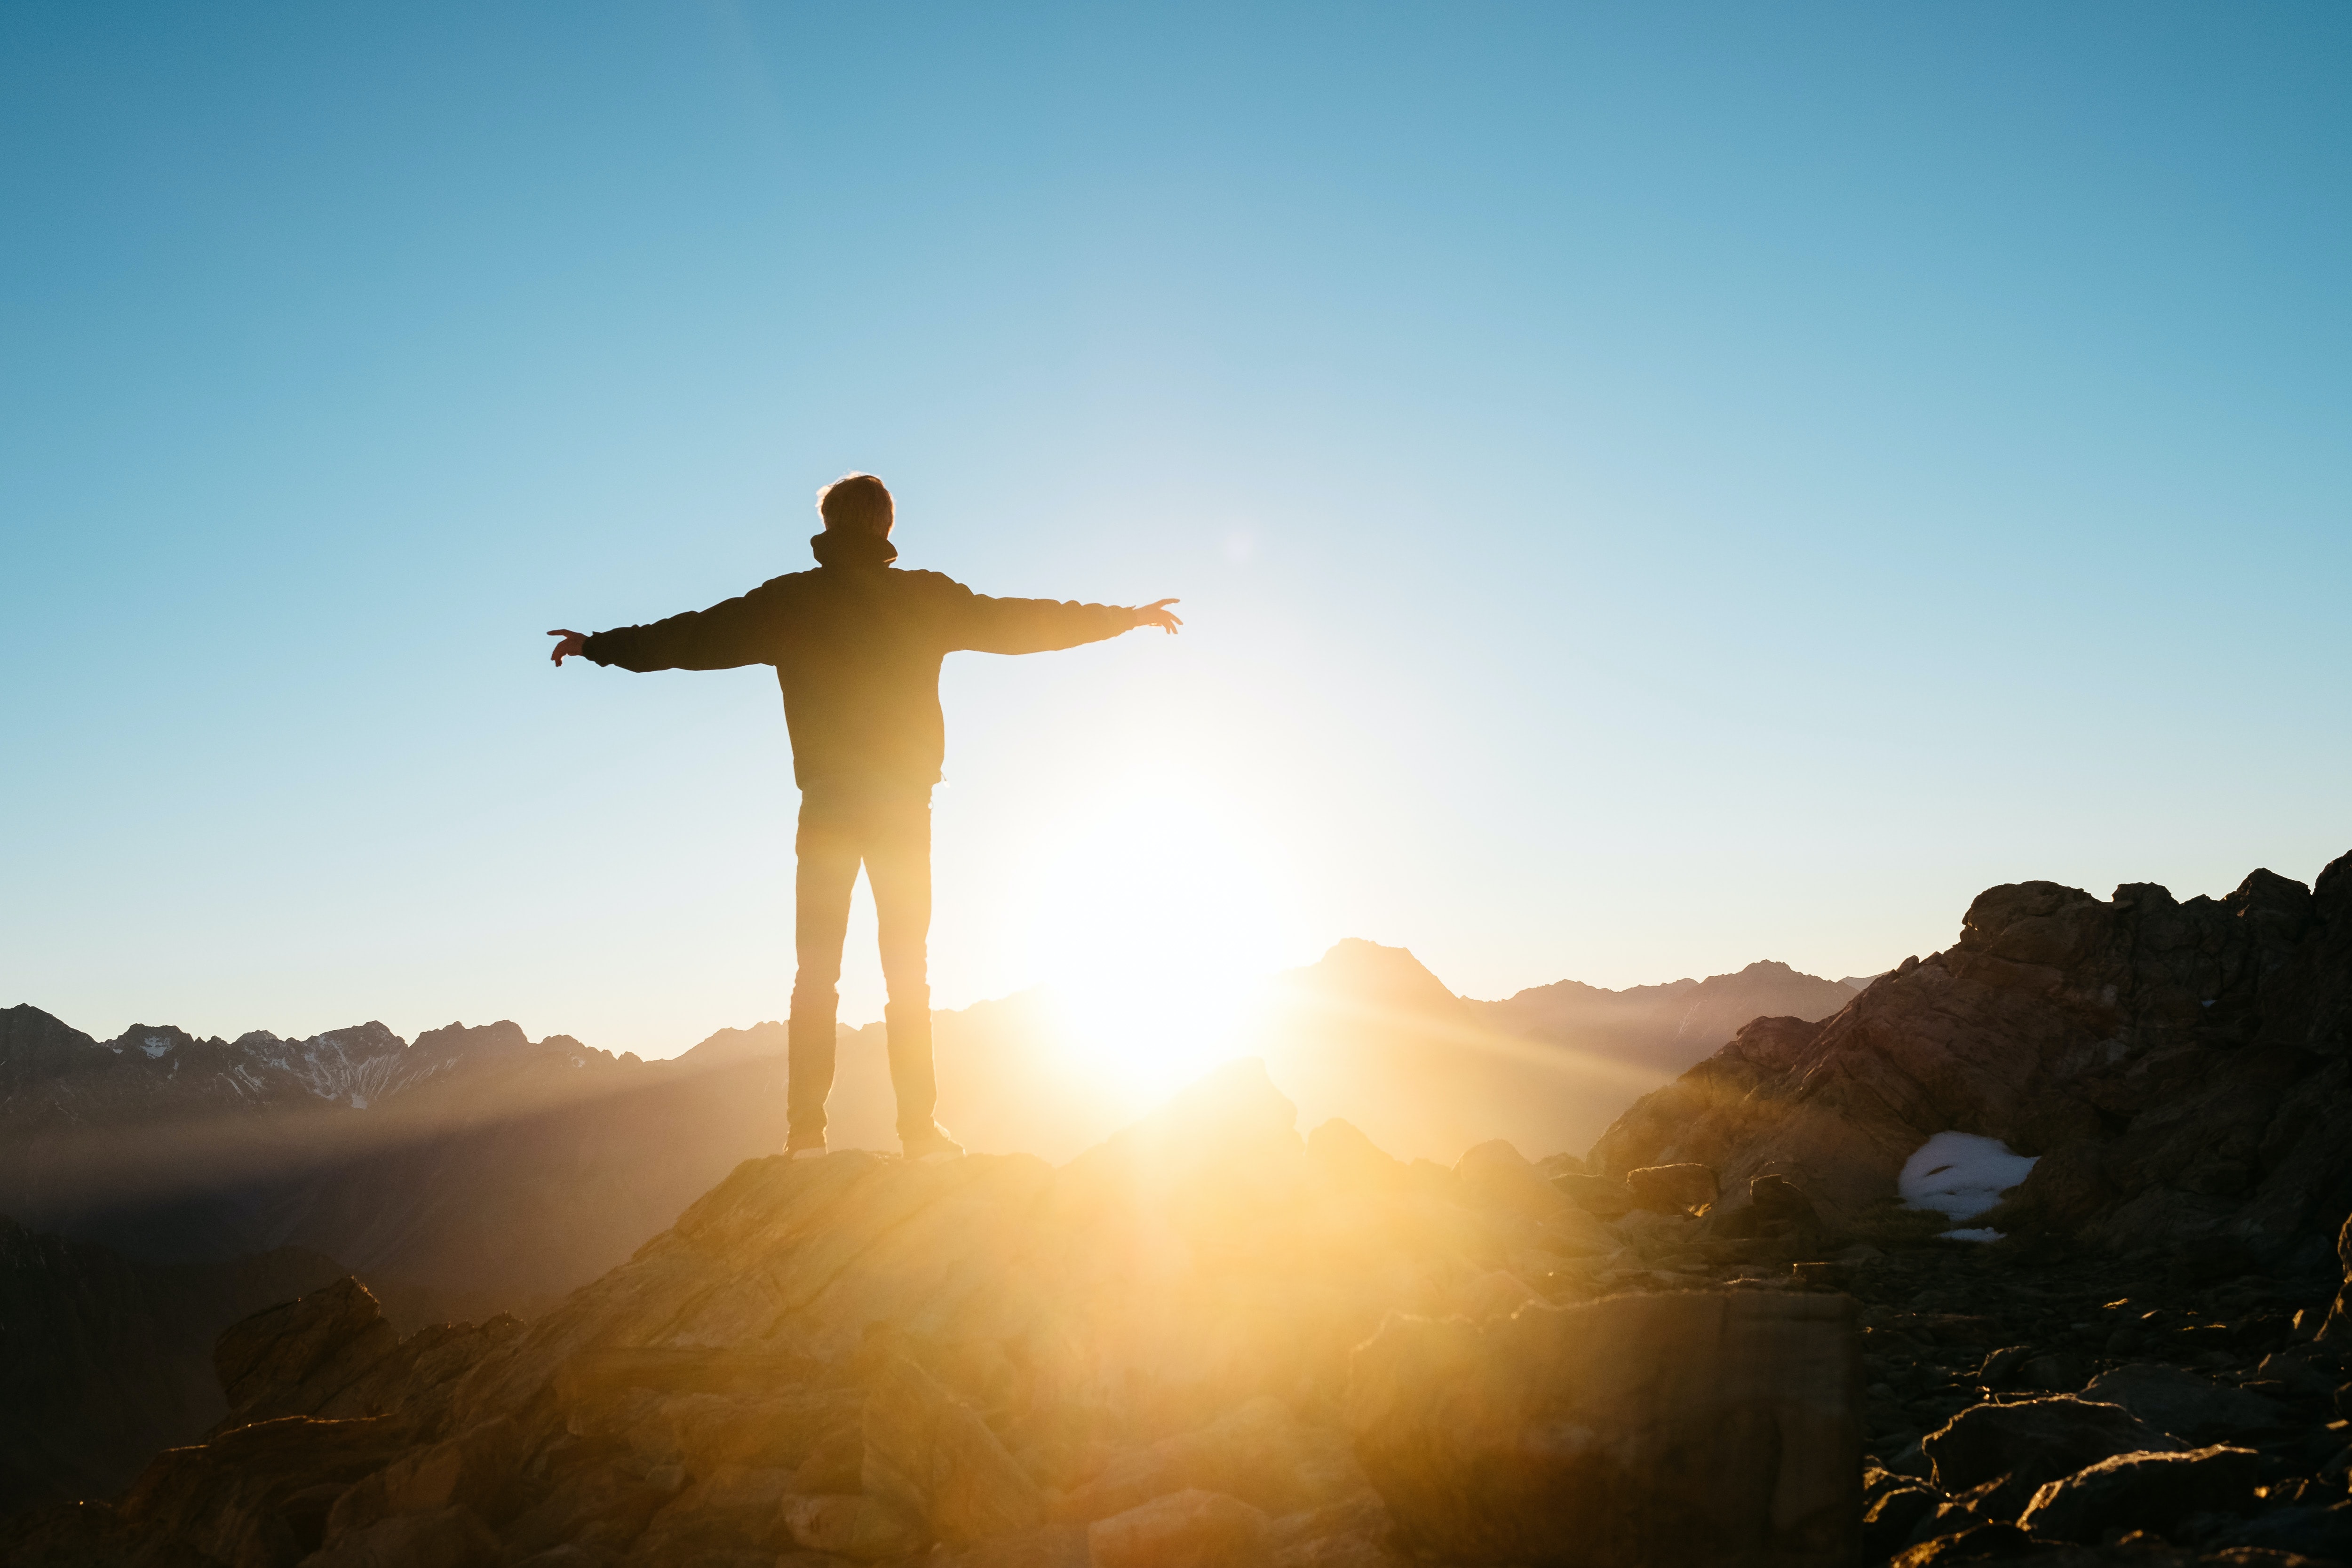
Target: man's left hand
1159, 614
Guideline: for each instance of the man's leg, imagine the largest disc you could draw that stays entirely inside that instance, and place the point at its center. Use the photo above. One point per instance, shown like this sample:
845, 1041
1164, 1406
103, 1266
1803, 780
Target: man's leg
898, 868
827, 854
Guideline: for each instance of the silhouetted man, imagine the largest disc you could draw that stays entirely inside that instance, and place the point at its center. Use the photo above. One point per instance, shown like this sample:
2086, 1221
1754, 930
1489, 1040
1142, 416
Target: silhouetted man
858, 647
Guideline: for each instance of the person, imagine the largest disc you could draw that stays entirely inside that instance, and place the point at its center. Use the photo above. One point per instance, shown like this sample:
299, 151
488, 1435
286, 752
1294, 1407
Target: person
857, 645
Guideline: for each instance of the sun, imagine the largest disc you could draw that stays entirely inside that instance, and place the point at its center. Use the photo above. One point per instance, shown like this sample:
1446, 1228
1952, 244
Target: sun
1155, 923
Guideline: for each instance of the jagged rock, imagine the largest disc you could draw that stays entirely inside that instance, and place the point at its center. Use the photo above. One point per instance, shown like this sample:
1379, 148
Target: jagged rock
1779, 1201
2151, 1491
2180, 1070
227, 1498
931, 1457
1696, 1427
451, 1537
330, 1354
1183, 1529
477, 1472
1607, 1196
1671, 1189
2022, 1445
2184, 1404
299, 1358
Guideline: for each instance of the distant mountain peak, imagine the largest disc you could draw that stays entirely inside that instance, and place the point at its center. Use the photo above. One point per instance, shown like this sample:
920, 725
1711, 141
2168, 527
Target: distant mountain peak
1367, 972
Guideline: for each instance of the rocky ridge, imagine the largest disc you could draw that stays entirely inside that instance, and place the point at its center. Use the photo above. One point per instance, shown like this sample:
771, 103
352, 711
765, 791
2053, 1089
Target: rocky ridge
2180, 1070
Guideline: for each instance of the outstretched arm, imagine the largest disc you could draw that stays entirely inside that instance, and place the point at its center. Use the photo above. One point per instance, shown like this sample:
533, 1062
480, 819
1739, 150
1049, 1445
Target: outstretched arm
737, 631
1039, 625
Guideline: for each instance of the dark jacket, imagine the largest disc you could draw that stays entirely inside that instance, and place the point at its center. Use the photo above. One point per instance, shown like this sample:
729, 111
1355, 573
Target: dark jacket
857, 645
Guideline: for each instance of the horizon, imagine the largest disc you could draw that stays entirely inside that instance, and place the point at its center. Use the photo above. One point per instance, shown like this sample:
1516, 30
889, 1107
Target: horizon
1647, 490
409, 1036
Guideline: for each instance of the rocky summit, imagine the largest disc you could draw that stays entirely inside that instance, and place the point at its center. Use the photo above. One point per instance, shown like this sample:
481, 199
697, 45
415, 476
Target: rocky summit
1211, 1342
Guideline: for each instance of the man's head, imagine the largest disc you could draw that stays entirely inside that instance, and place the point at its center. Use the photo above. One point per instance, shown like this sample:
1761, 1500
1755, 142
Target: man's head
856, 503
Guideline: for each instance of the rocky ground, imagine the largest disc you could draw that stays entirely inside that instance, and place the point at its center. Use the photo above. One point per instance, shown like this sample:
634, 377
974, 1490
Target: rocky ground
1211, 1341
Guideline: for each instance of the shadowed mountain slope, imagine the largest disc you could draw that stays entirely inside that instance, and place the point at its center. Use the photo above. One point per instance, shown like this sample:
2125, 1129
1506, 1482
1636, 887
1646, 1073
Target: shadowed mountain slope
104, 1359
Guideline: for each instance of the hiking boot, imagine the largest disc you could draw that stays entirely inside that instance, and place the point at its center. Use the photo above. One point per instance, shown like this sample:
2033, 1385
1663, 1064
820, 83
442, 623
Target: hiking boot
809, 1148
930, 1146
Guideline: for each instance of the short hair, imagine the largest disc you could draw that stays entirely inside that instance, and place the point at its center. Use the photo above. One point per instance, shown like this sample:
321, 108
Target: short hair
856, 503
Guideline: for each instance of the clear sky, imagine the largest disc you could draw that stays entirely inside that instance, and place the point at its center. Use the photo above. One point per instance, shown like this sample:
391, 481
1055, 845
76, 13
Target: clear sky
1651, 486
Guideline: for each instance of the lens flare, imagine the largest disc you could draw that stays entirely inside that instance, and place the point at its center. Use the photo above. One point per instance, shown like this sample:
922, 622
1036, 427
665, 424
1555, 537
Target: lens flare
1153, 924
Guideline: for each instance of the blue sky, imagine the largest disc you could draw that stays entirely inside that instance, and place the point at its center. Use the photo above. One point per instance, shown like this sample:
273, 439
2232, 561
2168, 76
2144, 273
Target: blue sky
1651, 486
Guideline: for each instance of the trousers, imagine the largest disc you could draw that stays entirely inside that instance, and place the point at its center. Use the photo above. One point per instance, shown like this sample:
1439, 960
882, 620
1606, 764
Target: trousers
890, 833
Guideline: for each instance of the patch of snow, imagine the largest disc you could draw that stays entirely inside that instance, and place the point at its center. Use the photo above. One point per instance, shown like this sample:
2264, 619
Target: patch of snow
154, 1046
1960, 1174
1980, 1233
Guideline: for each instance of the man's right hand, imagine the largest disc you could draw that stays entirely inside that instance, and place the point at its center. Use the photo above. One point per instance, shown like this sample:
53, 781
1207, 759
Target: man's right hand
1158, 614
569, 644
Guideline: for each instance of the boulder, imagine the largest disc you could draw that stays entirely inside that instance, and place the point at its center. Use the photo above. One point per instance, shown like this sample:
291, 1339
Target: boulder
1698, 1427
1190, 1529
1671, 1189
2024, 1444
1607, 1196
2144, 1491
2189, 1407
1779, 1201
931, 1457
477, 1472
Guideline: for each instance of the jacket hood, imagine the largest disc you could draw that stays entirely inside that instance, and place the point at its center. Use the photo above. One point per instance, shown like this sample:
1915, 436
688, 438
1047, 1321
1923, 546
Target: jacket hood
834, 548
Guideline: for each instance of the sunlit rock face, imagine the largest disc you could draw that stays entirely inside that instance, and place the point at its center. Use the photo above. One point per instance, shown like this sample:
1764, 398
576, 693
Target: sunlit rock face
2178, 1072
1146, 1357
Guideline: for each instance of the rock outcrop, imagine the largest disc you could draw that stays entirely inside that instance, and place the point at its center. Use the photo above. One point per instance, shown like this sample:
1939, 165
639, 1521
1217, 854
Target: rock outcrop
1141, 1359
2181, 1069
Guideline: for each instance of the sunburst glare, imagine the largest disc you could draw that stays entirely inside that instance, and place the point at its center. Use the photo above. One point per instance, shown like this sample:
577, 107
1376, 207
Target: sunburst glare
1155, 923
